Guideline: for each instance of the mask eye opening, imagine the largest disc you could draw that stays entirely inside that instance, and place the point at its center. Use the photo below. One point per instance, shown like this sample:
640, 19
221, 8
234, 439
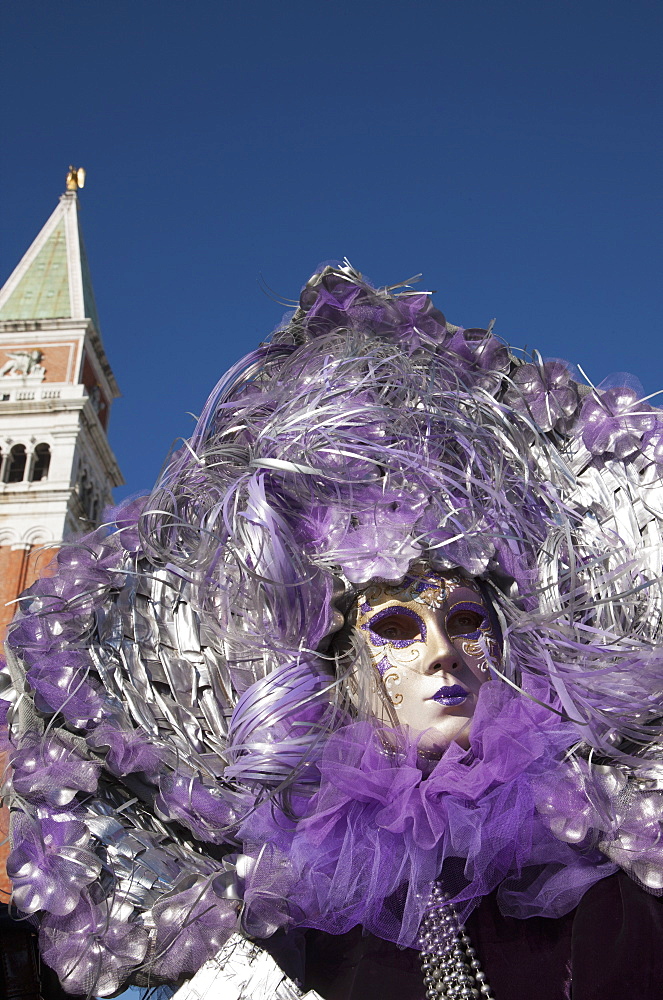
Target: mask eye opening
463, 621
396, 627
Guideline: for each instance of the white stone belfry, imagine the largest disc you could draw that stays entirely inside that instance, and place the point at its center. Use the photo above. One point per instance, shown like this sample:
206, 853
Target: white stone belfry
57, 469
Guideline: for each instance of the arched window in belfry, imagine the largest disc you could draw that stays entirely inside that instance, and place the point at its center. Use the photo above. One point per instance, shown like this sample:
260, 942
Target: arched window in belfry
16, 464
41, 463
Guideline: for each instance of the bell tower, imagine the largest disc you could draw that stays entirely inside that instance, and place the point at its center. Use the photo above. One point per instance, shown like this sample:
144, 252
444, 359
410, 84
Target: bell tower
57, 469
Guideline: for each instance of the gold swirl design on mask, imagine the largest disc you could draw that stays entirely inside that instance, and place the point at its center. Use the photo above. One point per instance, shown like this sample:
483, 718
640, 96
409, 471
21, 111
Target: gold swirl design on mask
474, 649
405, 654
390, 681
421, 585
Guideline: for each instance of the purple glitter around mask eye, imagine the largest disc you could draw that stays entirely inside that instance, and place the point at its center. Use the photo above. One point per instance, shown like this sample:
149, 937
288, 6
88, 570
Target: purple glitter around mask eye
378, 640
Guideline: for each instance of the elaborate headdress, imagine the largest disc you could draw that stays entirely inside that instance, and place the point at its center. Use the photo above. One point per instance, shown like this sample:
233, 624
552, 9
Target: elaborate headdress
193, 750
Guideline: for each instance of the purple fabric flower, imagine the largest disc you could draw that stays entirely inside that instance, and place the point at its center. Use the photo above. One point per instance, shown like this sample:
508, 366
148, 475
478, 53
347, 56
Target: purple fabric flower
373, 542
481, 359
128, 751
378, 544
46, 624
187, 800
51, 864
410, 320
545, 391
61, 684
637, 845
573, 802
94, 563
614, 422
95, 947
52, 772
329, 305
192, 926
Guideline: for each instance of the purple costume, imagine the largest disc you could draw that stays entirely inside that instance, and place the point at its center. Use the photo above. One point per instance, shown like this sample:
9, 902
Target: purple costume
196, 749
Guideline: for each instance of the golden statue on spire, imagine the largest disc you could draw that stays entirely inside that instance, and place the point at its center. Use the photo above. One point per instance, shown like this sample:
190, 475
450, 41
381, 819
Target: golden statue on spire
75, 178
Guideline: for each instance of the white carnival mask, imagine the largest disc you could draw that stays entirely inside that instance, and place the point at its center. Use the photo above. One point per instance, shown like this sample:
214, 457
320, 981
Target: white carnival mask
431, 639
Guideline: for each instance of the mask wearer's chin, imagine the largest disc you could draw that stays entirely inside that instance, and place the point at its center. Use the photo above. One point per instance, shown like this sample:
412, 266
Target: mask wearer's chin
431, 744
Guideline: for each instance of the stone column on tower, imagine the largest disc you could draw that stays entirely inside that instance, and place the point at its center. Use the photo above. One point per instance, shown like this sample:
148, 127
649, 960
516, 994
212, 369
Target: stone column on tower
57, 469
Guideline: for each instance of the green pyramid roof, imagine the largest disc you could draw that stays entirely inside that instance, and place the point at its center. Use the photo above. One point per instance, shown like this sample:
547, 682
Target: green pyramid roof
43, 291
52, 281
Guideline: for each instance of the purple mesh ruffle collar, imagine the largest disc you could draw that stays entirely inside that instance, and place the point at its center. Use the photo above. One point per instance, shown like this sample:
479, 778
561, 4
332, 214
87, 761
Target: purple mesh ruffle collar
380, 829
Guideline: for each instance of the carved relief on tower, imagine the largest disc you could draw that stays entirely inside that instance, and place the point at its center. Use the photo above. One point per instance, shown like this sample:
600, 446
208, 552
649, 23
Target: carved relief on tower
24, 365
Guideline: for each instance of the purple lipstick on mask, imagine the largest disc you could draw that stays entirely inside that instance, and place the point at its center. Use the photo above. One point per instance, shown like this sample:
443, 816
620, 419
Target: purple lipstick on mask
450, 695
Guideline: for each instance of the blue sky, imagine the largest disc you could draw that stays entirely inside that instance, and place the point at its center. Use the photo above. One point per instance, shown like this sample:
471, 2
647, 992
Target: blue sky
508, 149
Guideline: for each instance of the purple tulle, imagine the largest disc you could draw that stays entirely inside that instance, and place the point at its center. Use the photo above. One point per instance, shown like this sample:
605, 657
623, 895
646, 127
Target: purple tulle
201, 809
380, 831
94, 947
192, 926
51, 864
127, 752
52, 772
